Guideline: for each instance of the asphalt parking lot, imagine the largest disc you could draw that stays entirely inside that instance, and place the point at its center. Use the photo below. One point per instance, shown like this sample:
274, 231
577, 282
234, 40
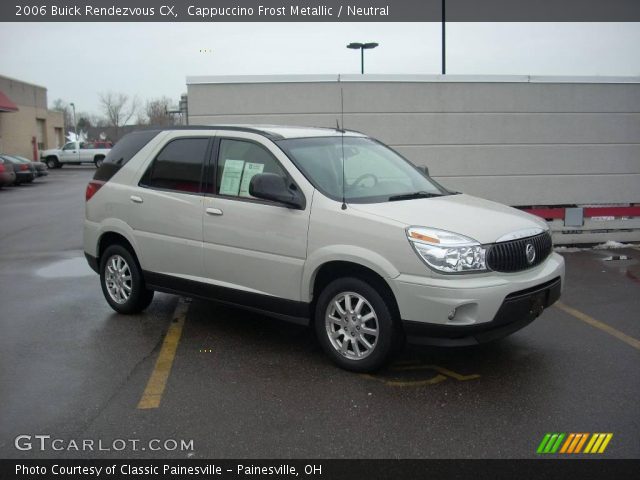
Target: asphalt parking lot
241, 385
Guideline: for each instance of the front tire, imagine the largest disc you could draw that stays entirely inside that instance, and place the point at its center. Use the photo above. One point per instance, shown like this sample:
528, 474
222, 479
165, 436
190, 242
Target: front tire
122, 281
52, 162
355, 325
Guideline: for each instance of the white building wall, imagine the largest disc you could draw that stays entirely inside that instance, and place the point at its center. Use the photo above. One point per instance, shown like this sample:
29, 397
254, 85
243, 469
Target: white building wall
519, 140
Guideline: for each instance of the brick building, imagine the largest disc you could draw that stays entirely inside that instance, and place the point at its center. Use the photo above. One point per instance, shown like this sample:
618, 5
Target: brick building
24, 116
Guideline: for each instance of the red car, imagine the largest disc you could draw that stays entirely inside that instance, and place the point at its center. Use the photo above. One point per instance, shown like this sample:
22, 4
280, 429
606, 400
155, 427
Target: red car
7, 173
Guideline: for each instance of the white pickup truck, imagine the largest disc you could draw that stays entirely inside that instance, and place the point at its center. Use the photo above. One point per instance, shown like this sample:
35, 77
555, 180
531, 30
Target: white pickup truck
75, 153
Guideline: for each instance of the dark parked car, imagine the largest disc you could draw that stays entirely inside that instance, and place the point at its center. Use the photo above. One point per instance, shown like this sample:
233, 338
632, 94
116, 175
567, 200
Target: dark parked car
41, 168
25, 172
7, 173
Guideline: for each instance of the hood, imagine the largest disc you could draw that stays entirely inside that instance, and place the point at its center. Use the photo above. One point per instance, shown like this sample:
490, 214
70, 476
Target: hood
482, 220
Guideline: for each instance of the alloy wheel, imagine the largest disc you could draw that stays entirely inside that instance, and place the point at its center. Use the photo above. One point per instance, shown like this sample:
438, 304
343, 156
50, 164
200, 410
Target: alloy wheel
352, 325
118, 279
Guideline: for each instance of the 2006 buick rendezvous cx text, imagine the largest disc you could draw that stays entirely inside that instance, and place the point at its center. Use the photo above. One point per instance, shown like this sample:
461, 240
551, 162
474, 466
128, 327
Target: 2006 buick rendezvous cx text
321, 227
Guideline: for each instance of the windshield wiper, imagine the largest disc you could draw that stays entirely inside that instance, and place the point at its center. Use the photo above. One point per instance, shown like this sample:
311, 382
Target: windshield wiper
411, 196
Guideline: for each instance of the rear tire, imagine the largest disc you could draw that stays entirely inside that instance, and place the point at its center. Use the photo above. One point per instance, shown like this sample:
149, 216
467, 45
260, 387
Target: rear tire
98, 161
355, 326
122, 281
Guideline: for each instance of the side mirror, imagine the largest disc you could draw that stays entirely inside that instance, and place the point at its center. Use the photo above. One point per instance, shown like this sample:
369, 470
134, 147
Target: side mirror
270, 186
424, 169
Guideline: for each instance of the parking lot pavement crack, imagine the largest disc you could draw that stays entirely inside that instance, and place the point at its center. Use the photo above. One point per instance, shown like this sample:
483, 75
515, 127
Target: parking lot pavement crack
118, 388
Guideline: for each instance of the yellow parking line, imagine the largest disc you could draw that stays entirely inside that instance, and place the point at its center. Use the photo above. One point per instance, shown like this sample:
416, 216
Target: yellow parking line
411, 365
442, 370
410, 383
599, 325
158, 380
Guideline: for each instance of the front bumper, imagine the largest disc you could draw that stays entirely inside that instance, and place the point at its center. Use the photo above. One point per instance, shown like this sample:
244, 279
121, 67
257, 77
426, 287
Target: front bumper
466, 310
518, 310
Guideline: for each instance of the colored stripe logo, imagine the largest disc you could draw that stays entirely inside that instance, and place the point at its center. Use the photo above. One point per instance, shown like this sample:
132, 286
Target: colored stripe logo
569, 443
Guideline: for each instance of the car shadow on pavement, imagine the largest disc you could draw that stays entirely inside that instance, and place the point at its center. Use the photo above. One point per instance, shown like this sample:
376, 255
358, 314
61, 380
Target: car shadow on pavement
226, 330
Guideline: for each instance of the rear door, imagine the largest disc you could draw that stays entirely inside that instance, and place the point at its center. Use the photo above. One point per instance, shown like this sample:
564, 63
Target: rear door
166, 207
86, 152
251, 245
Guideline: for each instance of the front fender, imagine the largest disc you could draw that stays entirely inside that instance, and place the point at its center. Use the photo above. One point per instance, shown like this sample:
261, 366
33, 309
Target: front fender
345, 253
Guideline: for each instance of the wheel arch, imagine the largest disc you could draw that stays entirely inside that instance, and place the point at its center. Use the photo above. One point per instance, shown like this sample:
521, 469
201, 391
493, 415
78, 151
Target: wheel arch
114, 238
333, 269
337, 255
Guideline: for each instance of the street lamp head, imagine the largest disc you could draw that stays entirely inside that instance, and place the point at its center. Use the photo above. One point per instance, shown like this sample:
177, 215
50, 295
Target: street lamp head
358, 45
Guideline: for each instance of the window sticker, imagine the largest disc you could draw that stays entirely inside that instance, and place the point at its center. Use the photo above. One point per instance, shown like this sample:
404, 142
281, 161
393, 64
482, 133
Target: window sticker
250, 169
231, 175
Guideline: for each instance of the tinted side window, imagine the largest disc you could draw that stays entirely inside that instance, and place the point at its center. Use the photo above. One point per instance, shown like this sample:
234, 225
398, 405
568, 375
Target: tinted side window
69, 146
238, 162
129, 145
178, 166
123, 151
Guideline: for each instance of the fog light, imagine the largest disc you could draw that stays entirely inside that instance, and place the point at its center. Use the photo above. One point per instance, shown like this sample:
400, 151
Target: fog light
452, 314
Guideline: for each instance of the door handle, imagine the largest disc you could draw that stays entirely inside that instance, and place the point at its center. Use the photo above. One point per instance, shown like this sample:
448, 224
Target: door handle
213, 211
136, 199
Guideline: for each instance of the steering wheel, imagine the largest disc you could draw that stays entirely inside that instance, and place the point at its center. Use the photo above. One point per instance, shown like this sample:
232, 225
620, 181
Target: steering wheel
364, 176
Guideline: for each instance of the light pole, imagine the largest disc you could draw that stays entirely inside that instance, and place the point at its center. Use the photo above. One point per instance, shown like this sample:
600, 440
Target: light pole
362, 47
444, 20
75, 124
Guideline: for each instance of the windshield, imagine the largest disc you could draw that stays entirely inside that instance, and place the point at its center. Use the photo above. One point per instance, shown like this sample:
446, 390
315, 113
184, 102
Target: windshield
372, 171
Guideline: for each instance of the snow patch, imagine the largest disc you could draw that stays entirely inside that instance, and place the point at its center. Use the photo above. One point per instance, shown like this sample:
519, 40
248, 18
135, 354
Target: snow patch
612, 244
569, 249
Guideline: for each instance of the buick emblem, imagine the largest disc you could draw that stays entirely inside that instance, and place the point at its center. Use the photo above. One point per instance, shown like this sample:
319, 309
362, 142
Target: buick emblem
530, 251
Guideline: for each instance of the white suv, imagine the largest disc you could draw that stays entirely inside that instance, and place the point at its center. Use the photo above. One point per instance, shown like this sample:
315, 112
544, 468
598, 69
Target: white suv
322, 227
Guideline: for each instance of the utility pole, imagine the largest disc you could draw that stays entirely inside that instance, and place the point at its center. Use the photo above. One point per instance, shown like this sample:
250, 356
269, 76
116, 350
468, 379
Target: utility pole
444, 56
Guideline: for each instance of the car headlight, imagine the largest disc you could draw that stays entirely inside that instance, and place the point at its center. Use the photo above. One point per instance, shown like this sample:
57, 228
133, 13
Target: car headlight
447, 252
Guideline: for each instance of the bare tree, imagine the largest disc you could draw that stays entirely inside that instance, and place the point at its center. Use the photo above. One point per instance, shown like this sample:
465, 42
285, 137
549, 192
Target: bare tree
84, 121
118, 108
157, 111
60, 105
87, 120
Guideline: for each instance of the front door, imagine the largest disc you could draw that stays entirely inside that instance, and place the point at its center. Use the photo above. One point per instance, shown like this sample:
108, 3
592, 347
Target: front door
69, 152
251, 245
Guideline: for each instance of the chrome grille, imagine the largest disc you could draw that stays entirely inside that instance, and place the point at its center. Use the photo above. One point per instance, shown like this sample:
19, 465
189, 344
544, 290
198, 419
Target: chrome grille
511, 256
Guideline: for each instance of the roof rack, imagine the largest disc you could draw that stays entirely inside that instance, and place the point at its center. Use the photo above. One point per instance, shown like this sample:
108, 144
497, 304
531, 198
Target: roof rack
264, 133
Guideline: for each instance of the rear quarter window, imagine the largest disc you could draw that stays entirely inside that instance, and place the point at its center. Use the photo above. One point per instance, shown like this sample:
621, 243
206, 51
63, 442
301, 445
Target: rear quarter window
122, 152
